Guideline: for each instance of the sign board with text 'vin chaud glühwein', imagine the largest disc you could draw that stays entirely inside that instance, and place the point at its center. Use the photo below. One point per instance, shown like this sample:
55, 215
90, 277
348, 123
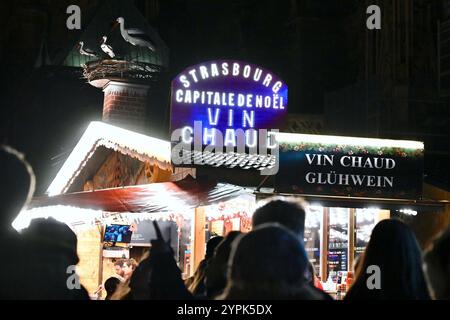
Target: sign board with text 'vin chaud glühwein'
346, 166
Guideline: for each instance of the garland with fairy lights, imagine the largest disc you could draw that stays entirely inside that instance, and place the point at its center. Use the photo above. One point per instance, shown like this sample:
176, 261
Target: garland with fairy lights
225, 217
351, 149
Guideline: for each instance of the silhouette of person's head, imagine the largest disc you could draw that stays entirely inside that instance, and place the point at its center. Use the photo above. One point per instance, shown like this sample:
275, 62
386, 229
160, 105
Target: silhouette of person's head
18, 183
211, 246
394, 251
52, 253
52, 237
110, 287
197, 286
437, 266
267, 263
289, 214
216, 274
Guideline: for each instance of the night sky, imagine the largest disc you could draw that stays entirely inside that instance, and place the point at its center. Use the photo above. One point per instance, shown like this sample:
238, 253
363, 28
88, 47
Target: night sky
317, 47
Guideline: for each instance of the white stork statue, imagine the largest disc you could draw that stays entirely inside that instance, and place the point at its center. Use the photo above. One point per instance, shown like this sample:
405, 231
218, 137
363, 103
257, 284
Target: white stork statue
85, 52
135, 36
107, 48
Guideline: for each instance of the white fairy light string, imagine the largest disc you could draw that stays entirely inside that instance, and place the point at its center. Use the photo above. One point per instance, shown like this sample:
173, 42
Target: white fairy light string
81, 219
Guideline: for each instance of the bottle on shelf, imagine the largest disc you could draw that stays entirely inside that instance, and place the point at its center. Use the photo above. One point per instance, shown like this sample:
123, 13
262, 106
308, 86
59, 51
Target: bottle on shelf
339, 278
338, 292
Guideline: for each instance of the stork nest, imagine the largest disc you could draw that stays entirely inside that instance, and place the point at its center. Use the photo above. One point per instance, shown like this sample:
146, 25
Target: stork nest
111, 69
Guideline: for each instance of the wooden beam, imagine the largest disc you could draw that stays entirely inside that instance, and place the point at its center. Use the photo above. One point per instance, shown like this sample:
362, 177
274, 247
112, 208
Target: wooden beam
199, 237
351, 238
324, 244
100, 261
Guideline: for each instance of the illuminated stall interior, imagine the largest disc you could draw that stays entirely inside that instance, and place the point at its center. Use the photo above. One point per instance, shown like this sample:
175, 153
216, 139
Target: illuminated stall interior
335, 237
233, 215
218, 220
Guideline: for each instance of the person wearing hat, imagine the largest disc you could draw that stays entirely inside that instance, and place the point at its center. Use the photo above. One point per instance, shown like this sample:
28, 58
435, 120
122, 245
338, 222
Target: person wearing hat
52, 255
269, 263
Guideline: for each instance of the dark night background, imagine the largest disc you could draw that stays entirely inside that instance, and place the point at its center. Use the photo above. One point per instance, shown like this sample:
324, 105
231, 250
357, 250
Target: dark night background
388, 83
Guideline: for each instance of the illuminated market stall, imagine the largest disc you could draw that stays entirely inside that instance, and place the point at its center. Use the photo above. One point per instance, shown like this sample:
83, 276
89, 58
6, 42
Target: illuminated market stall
226, 151
225, 155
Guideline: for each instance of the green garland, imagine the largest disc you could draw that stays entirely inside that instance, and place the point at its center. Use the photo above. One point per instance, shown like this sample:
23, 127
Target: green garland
351, 149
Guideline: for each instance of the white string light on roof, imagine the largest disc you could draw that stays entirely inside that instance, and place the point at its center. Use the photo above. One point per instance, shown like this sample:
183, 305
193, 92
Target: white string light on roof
370, 142
75, 218
99, 133
409, 212
81, 219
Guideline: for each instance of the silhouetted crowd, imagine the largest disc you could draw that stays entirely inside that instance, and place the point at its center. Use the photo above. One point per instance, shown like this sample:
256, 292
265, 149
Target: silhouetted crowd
270, 262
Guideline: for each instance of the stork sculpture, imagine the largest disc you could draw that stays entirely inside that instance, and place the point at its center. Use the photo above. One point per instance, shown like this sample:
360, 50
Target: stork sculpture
134, 36
85, 52
107, 48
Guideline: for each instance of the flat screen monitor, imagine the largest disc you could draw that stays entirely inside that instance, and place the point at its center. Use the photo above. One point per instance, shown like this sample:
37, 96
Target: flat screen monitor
117, 233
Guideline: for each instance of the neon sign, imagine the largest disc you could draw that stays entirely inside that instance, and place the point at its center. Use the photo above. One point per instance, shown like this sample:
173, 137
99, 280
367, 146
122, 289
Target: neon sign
225, 97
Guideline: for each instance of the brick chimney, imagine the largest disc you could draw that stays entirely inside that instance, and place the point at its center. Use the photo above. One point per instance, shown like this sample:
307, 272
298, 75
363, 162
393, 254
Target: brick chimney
124, 104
